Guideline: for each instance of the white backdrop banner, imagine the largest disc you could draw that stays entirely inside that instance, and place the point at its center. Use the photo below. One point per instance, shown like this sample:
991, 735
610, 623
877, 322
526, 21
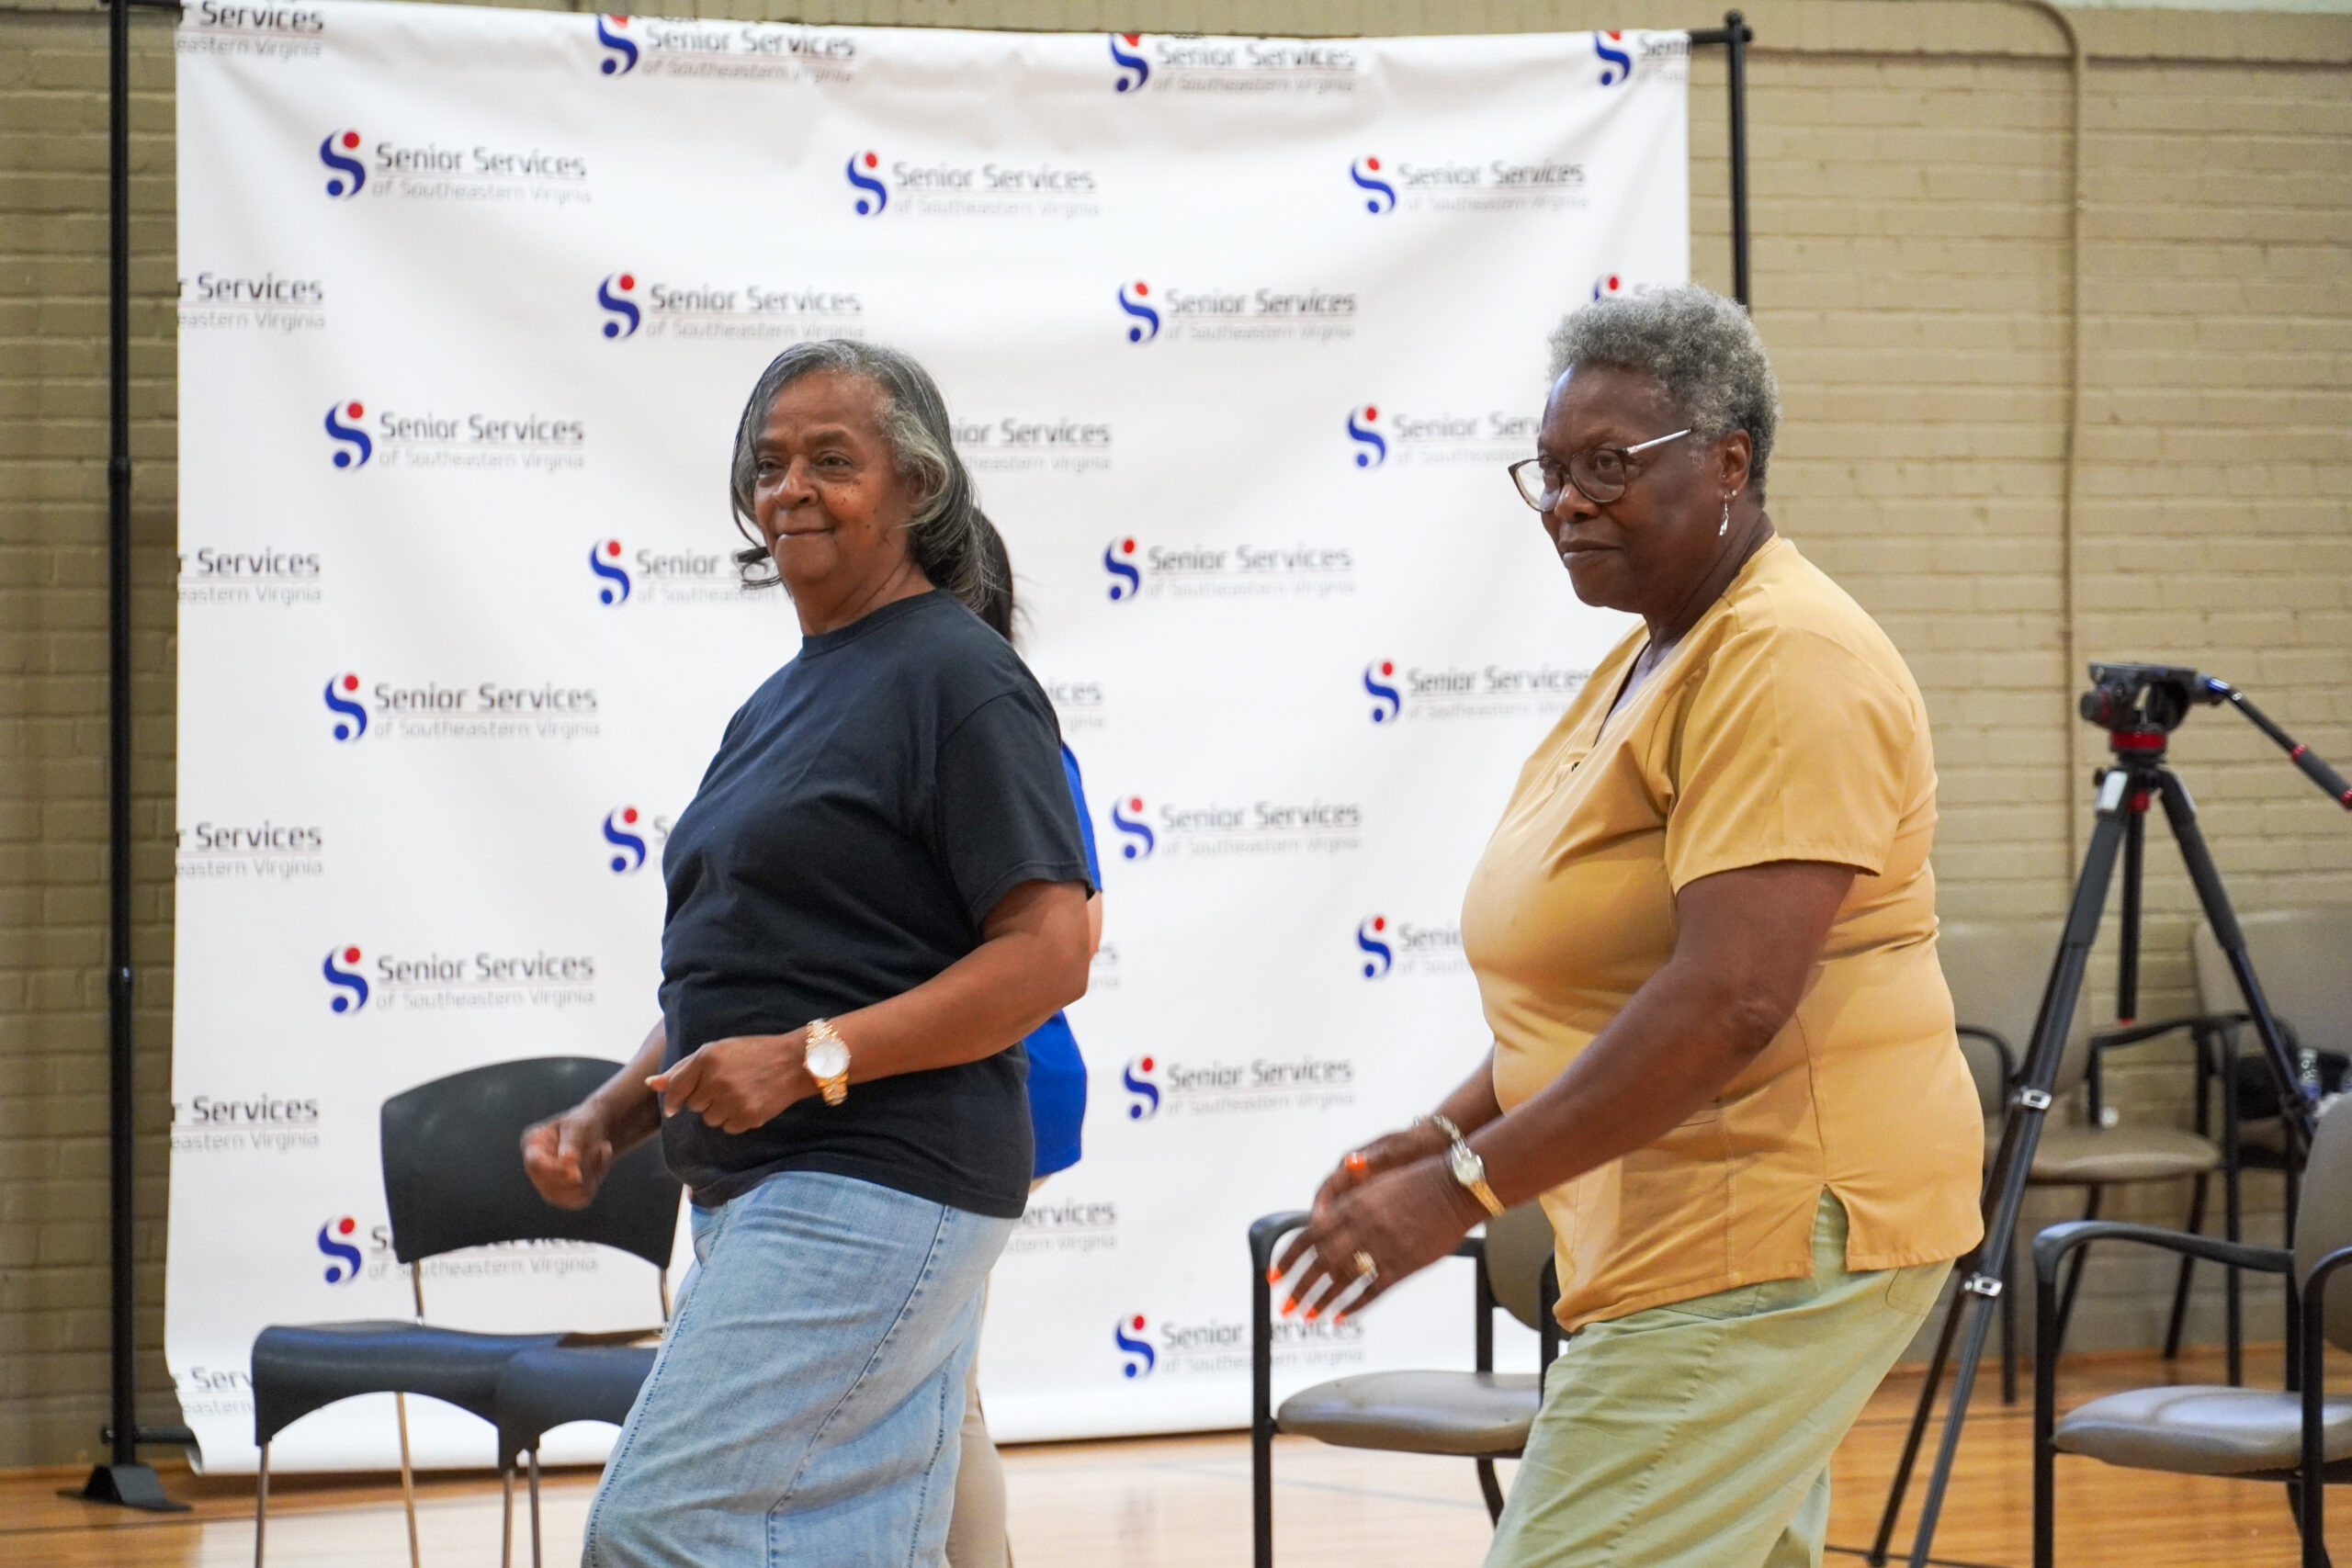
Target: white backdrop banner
1238, 334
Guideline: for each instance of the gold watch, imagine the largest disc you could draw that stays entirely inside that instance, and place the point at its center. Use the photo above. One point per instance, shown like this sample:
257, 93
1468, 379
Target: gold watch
1471, 1172
828, 1061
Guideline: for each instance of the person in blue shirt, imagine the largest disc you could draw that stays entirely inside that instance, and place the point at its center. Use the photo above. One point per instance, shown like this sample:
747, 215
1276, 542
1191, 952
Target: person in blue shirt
976, 1535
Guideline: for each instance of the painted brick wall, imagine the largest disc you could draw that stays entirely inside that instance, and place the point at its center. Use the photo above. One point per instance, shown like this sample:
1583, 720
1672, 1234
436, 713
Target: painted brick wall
1909, 188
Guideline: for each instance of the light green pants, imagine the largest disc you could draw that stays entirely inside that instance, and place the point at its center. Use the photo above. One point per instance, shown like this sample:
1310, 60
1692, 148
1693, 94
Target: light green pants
1699, 1435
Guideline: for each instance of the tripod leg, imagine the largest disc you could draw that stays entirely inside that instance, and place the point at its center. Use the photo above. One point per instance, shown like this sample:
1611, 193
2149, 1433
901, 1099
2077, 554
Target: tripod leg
2180, 1286
1929, 1388
2009, 1335
2075, 1266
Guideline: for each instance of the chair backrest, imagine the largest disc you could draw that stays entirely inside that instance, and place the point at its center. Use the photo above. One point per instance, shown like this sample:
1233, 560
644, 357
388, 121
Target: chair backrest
1997, 970
2323, 1216
1518, 1243
2303, 958
453, 1166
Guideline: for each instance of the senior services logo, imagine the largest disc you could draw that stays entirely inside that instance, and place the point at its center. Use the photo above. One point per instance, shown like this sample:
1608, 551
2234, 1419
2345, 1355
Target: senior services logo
1126, 818
1380, 197
1423, 436
343, 1259
350, 173
1387, 702
1146, 325
1408, 949
612, 297
1137, 1355
1379, 957
620, 832
1616, 64
1143, 1089
351, 719
876, 196
353, 446
620, 53
347, 987
1608, 286
1118, 559
1372, 448
1134, 70
1494, 690
604, 559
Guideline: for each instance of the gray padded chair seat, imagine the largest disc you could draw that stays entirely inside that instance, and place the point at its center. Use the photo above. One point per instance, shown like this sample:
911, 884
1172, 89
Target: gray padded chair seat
1469, 1414
2197, 1429
2078, 1155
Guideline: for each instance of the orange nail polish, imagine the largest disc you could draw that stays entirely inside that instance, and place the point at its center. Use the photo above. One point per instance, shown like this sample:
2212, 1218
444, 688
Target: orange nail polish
1290, 1305
1310, 1314
1274, 1276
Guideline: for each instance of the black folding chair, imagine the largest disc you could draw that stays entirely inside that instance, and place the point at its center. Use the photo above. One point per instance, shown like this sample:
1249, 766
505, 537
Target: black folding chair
453, 1179
543, 1389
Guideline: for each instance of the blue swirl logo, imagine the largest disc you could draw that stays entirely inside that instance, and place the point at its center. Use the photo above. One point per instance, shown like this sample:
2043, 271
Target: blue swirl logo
1379, 195
1118, 559
617, 823
620, 54
876, 199
1126, 816
343, 1259
1136, 1076
1372, 448
1616, 65
1387, 701
1133, 70
350, 985
1147, 319
1379, 958
603, 561
351, 720
350, 173
1140, 1358
353, 446
612, 298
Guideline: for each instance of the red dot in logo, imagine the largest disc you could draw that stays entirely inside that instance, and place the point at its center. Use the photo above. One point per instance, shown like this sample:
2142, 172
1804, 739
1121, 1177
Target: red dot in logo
612, 547
1146, 1064
351, 682
351, 955
1370, 412
628, 282
1142, 288
1135, 803
629, 814
1386, 667
1372, 164
1133, 38
1380, 922
1616, 36
1136, 1324
621, 21
1126, 547
1612, 283
353, 411
871, 161
346, 1225
350, 138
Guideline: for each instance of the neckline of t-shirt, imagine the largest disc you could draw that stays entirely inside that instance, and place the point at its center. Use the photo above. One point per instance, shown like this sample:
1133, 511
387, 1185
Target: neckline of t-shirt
873, 620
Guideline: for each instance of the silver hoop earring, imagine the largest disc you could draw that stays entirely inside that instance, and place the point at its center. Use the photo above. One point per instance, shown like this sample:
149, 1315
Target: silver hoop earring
1724, 527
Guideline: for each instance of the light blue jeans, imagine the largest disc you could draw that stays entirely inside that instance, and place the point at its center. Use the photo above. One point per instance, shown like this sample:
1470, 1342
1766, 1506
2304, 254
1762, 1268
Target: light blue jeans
804, 1409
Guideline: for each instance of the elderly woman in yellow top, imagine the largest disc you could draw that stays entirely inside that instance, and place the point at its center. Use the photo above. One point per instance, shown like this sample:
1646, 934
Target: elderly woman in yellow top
1704, 934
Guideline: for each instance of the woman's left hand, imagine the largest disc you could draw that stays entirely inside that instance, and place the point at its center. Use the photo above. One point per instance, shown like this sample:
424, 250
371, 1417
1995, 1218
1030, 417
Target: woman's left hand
1401, 1221
739, 1083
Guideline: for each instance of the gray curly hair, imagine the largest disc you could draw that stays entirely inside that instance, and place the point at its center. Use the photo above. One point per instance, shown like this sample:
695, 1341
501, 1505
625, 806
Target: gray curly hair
948, 536
1699, 346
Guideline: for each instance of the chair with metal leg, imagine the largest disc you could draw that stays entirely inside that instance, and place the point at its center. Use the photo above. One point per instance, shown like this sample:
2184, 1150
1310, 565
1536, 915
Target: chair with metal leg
2302, 1435
1482, 1415
543, 1389
453, 1179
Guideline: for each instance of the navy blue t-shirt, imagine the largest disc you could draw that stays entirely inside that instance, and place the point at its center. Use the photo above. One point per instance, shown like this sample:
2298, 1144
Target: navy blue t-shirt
868, 809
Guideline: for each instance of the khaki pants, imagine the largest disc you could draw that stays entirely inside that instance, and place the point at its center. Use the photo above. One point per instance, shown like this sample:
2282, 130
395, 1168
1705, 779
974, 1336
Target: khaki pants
976, 1537
1699, 1435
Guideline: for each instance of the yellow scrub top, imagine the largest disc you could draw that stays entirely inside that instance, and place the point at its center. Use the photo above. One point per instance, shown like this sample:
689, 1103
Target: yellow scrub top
1784, 727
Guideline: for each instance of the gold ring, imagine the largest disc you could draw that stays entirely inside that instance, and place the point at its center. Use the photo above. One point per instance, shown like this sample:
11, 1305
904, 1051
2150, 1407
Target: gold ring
1365, 1265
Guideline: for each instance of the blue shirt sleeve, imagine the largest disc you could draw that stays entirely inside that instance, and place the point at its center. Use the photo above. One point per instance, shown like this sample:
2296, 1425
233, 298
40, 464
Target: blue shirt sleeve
1085, 817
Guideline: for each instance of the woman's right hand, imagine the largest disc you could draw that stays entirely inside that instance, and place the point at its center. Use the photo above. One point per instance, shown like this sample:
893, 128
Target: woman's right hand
1390, 1151
566, 1156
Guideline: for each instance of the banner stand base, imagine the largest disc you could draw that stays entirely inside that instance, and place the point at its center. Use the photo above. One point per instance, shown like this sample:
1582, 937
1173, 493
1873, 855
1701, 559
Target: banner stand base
131, 1485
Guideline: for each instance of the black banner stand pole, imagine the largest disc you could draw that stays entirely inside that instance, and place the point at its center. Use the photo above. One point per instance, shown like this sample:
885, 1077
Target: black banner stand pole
2126, 790
1734, 36
122, 1479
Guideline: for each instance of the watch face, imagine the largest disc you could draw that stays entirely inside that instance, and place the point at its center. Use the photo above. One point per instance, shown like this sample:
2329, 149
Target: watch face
826, 1058
1467, 1166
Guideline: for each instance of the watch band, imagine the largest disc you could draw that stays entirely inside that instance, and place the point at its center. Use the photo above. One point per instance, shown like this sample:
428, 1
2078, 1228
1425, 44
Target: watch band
1470, 1171
1443, 1124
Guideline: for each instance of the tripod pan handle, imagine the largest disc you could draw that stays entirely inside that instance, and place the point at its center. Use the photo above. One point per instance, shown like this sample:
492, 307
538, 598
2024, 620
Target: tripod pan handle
2319, 773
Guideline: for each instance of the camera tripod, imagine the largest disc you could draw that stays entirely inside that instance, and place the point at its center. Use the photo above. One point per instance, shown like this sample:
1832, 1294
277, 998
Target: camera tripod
2139, 706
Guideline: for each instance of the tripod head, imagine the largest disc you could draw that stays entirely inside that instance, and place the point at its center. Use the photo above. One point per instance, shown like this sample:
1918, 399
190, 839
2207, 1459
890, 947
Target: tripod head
2139, 705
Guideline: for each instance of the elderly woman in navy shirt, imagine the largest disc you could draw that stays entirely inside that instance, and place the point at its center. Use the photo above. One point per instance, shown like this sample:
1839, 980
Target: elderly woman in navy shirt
878, 890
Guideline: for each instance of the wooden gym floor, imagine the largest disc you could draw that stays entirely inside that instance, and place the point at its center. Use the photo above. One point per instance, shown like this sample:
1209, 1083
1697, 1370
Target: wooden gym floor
1162, 1503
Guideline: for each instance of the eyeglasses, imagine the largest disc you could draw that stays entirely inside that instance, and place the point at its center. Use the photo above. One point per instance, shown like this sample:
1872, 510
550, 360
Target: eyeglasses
1600, 473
